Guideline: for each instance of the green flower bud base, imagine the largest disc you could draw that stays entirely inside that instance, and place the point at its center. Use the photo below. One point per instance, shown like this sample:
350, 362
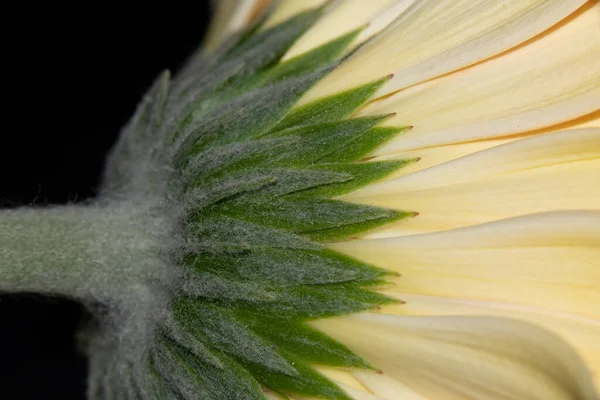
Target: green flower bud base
206, 245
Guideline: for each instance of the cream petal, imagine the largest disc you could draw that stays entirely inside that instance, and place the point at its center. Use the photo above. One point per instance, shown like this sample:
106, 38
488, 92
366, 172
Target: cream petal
346, 16
385, 386
591, 121
356, 394
529, 153
556, 171
383, 20
359, 394
549, 81
272, 396
341, 376
549, 260
434, 37
347, 382
466, 357
367, 385
581, 333
431, 156
229, 17
288, 8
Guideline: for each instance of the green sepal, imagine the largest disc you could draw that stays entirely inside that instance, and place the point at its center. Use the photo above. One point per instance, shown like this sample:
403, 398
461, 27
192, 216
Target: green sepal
288, 181
242, 118
134, 142
200, 198
214, 160
310, 302
220, 233
155, 385
286, 267
312, 60
362, 146
304, 64
318, 141
172, 329
362, 174
332, 108
191, 378
150, 113
309, 382
219, 328
308, 344
346, 232
237, 72
307, 215
267, 47
132, 390
112, 385
293, 148
215, 285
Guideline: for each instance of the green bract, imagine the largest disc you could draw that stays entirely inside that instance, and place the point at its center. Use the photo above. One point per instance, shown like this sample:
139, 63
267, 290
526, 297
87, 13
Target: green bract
252, 181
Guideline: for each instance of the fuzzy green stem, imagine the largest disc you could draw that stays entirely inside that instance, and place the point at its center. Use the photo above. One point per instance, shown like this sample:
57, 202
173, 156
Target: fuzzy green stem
92, 253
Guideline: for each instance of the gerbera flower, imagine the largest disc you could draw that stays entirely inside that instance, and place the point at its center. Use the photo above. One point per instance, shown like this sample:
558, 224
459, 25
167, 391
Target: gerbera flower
383, 200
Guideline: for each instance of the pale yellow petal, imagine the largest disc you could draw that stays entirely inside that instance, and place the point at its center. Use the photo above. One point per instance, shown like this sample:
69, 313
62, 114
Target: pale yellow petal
272, 396
532, 152
288, 8
551, 80
356, 394
431, 156
581, 333
341, 376
434, 37
368, 385
342, 18
229, 17
466, 357
551, 172
549, 260
385, 386
345, 381
383, 20
592, 121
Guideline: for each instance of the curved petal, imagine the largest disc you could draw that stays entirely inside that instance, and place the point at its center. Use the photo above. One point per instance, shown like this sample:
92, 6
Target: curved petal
343, 377
231, 16
346, 16
434, 37
356, 394
581, 333
466, 357
272, 396
431, 156
549, 81
361, 395
551, 172
383, 20
385, 386
549, 260
288, 8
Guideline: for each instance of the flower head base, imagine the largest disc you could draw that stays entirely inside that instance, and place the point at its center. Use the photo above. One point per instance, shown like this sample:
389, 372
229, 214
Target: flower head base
254, 183
367, 200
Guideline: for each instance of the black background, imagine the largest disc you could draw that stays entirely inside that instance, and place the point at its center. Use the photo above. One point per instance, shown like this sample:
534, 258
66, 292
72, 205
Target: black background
71, 79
